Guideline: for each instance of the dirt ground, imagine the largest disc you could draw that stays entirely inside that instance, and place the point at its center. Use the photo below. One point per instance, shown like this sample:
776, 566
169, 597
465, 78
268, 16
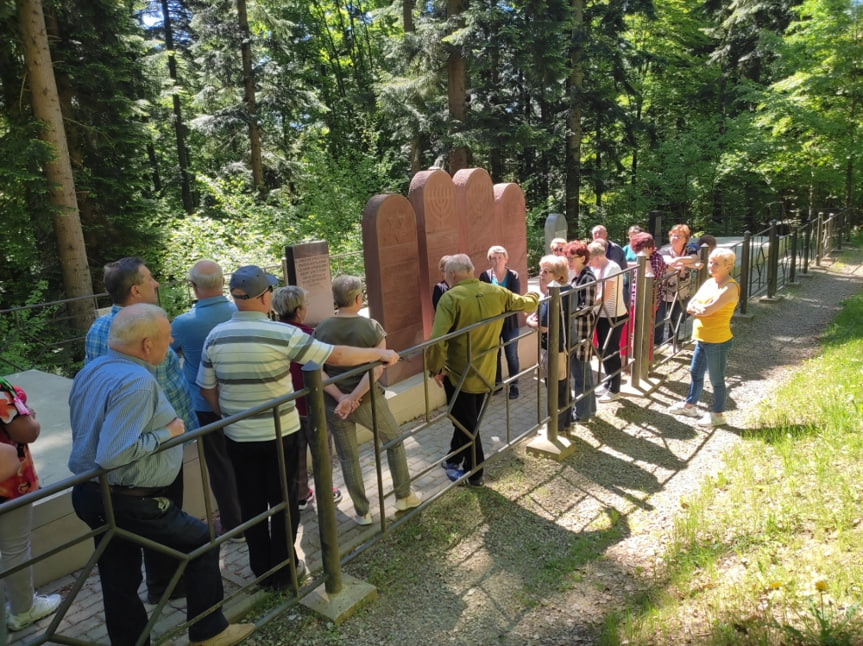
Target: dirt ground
602, 516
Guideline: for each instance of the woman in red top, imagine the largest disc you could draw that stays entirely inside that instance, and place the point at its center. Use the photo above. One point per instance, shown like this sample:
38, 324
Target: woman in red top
289, 304
18, 428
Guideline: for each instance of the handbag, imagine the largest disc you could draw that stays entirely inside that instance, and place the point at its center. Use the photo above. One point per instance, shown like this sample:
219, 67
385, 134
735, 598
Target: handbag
562, 357
562, 365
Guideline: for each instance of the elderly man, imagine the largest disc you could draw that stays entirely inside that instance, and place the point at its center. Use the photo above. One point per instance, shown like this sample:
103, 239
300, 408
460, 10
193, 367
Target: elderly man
613, 251
469, 301
120, 417
246, 363
189, 331
129, 281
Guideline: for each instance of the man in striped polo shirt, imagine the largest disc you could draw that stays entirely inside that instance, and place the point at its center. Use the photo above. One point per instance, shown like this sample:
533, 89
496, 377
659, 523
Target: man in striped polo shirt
245, 363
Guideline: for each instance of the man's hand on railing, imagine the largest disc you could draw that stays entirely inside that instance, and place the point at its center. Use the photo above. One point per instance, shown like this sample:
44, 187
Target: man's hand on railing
389, 357
176, 427
440, 378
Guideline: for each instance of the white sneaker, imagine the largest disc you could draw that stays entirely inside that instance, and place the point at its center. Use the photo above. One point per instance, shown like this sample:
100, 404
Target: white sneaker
712, 419
43, 605
364, 520
411, 501
608, 397
682, 408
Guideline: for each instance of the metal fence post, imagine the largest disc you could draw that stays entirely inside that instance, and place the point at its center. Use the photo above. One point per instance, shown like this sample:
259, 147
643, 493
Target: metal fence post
323, 473
642, 336
745, 254
819, 245
553, 361
772, 259
795, 232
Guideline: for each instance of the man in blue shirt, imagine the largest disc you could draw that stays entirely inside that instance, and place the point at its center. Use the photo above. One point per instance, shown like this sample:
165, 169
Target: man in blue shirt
119, 418
189, 331
129, 281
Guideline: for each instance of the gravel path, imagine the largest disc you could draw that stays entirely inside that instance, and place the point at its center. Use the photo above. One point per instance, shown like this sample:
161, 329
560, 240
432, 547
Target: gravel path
602, 515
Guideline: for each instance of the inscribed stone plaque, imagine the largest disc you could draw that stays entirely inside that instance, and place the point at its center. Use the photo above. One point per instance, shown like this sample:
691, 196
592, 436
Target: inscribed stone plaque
307, 265
474, 204
390, 252
432, 197
555, 227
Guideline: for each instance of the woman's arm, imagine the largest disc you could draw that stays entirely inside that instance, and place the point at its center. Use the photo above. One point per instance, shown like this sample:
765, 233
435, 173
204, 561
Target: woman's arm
23, 429
347, 403
726, 294
8, 461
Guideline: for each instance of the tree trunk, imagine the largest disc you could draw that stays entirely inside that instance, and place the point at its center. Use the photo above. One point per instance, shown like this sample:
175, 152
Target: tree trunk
249, 97
458, 156
179, 126
575, 85
58, 171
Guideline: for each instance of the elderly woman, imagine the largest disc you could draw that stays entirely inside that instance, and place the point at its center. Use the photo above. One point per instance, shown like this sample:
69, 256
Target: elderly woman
347, 405
500, 274
711, 307
610, 316
441, 286
289, 304
554, 270
680, 257
582, 319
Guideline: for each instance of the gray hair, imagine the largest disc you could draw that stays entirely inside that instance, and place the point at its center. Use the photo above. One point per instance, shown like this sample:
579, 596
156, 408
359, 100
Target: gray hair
497, 249
287, 300
134, 323
599, 228
206, 275
597, 248
558, 265
459, 264
724, 254
346, 289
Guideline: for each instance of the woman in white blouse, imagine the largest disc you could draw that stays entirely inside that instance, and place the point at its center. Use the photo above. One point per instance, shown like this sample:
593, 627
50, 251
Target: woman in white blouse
611, 315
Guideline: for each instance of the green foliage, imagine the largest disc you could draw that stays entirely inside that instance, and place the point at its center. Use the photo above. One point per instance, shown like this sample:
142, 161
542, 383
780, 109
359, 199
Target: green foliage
768, 552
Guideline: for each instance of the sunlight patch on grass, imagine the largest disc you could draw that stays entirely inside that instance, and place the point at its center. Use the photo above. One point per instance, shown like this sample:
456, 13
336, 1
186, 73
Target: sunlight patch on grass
770, 550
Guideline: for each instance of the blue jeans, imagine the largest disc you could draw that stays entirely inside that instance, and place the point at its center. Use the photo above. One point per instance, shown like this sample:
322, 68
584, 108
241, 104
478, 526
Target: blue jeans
511, 352
160, 520
582, 377
711, 358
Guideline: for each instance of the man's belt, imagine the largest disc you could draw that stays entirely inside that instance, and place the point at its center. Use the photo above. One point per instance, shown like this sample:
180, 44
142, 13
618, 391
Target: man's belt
137, 492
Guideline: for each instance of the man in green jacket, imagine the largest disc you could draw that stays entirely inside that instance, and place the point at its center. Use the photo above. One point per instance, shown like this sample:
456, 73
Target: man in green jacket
465, 365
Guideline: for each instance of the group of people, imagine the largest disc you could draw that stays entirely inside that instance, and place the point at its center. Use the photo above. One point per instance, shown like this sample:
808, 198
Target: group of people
135, 393
598, 313
147, 380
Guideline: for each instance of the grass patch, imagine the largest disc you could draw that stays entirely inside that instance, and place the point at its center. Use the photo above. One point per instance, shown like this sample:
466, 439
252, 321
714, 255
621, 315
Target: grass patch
771, 549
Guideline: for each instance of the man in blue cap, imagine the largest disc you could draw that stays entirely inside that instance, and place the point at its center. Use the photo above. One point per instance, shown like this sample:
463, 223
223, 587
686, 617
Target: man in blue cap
245, 363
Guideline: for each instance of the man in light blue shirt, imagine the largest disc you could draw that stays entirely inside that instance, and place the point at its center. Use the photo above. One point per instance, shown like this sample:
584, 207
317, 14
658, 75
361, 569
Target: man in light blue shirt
129, 281
189, 331
120, 418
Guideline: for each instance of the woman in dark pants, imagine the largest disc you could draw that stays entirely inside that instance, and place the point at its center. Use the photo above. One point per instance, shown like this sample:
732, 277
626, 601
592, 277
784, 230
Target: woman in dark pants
500, 274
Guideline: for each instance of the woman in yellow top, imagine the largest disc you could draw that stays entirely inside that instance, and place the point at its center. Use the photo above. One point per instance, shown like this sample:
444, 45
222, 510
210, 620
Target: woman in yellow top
711, 307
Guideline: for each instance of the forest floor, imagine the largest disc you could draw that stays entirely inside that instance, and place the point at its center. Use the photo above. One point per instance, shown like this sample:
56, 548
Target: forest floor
547, 551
